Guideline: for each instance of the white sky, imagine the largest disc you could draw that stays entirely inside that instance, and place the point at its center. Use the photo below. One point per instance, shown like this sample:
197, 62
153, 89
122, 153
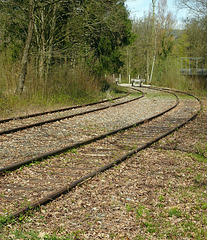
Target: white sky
138, 7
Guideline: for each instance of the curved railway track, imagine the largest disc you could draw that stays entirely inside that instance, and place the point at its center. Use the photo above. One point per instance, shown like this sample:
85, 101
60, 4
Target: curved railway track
33, 142
41, 135
58, 110
38, 184
12, 125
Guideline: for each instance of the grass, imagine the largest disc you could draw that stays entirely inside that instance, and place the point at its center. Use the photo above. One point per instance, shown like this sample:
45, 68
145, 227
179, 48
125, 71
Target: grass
6, 222
35, 235
174, 212
201, 149
11, 105
64, 87
172, 223
160, 95
129, 207
177, 213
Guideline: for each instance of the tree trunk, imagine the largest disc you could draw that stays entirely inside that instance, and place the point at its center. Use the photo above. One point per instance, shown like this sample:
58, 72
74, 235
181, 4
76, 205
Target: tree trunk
42, 54
154, 57
50, 47
24, 61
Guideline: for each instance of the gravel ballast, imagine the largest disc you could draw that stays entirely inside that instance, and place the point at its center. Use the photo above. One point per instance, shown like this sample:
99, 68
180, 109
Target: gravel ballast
157, 194
32, 142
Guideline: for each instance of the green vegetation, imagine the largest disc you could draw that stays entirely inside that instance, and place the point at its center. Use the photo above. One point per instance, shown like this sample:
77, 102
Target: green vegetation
173, 222
34, 235
174, 212
75, 47
159, 41
56, 53
129, 207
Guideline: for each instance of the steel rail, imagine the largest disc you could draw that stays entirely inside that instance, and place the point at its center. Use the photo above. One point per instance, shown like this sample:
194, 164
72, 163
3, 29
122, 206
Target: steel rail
59, 110
178, 91
44, 156
12, 130
72, 185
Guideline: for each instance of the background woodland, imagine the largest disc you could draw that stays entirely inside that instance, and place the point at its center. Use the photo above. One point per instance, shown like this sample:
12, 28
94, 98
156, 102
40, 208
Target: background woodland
62, 51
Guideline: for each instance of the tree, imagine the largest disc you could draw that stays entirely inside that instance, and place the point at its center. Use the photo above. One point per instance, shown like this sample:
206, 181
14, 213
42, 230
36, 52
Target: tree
196, 7
53, 31
14, 18
24, 61
139, 53
195, 27
45, 31
106, 29
196, 34
154, 42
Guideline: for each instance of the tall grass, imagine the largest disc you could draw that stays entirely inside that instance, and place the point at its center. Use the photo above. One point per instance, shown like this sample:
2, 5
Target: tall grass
64, 86
8, 74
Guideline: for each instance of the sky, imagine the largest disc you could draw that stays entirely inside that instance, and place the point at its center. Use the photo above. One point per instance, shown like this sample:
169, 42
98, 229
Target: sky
138, 7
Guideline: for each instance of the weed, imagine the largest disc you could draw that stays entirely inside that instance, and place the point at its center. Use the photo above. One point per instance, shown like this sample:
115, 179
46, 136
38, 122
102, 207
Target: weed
204, 206
139, 238
161, 198
34, 235
3, 220
150, 227
160, 205
129, 207
200, 180
74, 150
198, 157
140, 210
201, 149
174, 212
112, 235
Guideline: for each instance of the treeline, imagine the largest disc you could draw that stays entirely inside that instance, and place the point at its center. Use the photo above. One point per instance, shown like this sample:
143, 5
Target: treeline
159, 44
52, 40
68, 46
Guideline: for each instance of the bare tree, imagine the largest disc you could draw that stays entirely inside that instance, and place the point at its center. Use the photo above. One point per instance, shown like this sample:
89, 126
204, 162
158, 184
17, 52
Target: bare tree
195, 7
24, 61
195, 27
45, 34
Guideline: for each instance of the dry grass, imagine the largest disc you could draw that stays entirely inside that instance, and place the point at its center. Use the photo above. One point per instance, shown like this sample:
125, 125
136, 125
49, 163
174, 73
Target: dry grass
64, 86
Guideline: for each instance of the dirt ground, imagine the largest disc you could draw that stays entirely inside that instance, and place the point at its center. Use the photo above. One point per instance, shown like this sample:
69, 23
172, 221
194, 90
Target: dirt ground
159, 193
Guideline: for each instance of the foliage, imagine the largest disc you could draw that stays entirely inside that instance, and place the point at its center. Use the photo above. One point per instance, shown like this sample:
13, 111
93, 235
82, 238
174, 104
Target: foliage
13, 29
66, 87
67, 31
158, 47
196, 33
154, 39
197, 8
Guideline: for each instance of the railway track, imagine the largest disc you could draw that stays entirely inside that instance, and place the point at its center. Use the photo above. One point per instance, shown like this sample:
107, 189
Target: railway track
20, 123
33, 136
58, 110
37, 184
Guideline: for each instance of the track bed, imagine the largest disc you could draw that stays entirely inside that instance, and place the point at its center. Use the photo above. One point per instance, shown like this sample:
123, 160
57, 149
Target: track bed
39, 183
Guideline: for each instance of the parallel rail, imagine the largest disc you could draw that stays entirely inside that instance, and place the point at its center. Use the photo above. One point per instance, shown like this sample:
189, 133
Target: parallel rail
102, 150
40, 123
59, 110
